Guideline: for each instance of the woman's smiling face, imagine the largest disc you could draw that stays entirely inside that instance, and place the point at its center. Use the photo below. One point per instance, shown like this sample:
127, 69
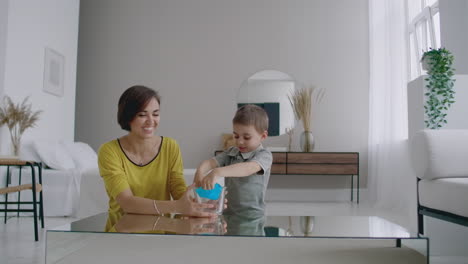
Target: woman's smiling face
145, 122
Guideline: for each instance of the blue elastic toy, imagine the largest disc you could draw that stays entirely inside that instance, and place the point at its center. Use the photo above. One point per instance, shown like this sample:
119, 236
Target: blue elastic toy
212, 194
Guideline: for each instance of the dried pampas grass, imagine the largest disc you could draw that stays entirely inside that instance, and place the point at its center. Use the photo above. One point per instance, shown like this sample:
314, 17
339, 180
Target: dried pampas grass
301, 102
18, 118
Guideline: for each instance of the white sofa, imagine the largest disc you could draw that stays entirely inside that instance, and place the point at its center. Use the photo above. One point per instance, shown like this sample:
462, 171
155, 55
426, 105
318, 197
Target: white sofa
440, 161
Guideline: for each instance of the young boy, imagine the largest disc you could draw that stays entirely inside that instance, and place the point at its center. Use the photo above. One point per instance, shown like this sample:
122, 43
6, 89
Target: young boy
246, 166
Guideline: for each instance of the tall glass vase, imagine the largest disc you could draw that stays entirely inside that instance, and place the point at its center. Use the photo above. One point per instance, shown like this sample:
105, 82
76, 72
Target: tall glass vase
16, 143
307, 141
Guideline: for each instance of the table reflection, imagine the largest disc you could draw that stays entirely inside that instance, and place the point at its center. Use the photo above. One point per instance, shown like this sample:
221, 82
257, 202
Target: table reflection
246, 225
249, 224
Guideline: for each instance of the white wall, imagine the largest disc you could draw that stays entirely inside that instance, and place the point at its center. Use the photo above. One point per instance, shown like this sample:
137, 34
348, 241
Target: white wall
453, 32
198, 53
32, 26
3, 35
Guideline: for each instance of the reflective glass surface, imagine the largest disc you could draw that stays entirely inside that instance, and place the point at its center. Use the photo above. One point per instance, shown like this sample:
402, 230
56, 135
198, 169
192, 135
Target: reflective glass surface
80, 239
246, 225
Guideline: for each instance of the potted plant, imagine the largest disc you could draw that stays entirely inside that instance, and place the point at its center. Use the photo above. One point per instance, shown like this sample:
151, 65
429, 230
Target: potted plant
439, 84
18, 118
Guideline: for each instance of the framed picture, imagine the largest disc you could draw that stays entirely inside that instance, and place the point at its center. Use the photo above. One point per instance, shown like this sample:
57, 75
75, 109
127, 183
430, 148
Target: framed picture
54, 65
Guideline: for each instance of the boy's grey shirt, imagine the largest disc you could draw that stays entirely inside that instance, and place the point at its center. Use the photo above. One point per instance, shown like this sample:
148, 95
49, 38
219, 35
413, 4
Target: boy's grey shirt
246, 193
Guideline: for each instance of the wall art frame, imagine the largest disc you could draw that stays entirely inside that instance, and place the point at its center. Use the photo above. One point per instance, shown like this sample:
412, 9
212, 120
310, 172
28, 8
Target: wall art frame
54, 76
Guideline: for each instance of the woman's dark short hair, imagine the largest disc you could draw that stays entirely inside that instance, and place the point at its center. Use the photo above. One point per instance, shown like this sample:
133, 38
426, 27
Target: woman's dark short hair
133, 101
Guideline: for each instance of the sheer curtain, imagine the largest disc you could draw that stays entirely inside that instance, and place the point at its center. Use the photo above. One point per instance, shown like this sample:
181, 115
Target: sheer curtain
390, 176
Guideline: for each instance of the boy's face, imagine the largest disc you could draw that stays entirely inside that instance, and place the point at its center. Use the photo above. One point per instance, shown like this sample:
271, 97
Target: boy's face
247, 137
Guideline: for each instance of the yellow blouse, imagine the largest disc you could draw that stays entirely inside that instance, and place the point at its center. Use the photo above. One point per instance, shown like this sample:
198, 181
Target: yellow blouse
161, 179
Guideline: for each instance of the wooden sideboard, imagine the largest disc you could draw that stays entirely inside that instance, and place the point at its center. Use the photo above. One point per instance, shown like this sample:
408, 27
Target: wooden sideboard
318, 163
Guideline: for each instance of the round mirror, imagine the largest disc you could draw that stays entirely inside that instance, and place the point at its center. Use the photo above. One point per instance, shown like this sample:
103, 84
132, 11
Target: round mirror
269, 89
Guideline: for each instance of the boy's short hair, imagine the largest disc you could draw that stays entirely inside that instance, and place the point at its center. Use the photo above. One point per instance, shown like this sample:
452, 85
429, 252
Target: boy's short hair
133, 101
252, 115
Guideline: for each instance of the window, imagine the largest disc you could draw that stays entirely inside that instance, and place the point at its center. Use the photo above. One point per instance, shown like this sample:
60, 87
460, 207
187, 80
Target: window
423, 30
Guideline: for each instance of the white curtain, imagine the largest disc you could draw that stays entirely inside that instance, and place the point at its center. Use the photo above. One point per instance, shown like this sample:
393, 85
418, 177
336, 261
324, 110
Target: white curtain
390, 178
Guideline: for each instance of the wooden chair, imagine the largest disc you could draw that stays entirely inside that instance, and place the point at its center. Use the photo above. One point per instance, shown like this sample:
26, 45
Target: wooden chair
34, 186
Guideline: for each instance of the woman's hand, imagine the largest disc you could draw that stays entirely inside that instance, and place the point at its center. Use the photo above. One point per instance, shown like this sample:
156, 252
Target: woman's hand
188, 206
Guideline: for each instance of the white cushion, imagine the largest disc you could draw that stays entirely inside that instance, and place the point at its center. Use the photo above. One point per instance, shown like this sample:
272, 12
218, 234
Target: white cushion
82, 154
440, 153
54, 154
449, 195
28, 152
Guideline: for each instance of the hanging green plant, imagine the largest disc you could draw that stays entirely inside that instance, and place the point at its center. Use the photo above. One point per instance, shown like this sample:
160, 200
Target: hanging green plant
439, 84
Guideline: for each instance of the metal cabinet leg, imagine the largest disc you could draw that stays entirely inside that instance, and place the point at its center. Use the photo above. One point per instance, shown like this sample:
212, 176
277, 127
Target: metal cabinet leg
358, 188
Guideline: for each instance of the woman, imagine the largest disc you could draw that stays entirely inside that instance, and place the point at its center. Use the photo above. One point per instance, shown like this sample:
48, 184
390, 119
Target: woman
141, 170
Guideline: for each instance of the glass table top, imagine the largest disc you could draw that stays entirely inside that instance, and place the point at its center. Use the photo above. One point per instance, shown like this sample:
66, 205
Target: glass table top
254, 238
248, 225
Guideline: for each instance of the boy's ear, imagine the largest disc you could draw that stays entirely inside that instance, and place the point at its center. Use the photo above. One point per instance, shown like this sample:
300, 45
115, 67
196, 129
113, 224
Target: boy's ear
264, 134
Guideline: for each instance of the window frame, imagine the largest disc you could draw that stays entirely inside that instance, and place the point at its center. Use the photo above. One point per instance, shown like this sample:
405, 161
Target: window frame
419, 28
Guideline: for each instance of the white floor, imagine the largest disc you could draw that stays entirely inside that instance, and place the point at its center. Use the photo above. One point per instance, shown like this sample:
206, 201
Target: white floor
17, 244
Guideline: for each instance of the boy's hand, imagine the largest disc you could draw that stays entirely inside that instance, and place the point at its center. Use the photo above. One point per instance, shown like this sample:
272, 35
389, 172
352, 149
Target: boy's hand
197, 180
209, 181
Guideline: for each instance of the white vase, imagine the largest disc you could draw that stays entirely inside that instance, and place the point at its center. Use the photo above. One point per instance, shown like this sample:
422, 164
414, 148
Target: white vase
306, 224
426, 64
307, 141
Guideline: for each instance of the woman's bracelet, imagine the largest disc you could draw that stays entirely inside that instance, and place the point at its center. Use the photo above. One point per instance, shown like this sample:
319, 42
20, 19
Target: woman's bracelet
156, 222
156, 208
